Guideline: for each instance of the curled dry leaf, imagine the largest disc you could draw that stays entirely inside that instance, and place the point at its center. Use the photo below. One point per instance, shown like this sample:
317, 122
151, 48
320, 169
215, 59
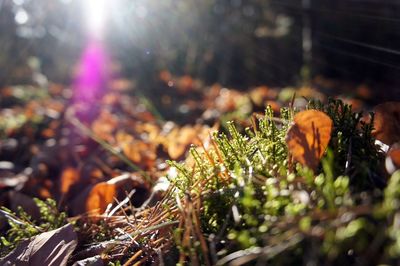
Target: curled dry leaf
100, 196
49, 248
309, 136
95, 199
387, 122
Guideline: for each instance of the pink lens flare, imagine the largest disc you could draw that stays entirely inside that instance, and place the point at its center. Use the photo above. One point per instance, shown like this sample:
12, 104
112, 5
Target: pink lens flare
93, 73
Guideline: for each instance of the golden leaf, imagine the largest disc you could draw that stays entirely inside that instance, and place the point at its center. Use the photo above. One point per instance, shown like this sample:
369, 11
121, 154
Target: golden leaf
308, 138
100, 196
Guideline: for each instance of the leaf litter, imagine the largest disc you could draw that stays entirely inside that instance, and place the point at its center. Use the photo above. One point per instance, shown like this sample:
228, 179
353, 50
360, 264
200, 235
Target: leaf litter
102, 170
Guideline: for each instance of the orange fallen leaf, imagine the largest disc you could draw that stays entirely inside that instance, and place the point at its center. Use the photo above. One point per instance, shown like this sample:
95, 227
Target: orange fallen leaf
99, 197
308, 138
387, 122
69, 177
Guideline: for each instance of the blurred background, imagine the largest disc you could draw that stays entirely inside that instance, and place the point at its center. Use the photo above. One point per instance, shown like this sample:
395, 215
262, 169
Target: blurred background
236, 43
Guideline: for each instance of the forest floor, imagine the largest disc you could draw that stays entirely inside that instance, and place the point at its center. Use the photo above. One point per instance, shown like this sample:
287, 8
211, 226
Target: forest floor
124, 177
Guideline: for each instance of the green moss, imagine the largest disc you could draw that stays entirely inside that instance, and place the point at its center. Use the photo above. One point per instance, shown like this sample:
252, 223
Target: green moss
353, 146
253, 201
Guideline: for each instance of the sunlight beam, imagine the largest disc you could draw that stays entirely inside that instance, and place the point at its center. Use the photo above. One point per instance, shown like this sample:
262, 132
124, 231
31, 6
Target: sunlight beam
95, 13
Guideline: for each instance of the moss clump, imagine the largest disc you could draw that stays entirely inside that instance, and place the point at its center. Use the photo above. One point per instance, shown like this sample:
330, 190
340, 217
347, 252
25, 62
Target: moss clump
255, 208
354, 148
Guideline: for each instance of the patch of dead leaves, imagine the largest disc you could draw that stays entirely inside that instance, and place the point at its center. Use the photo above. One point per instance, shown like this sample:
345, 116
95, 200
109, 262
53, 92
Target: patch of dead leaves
138, 151
104, 125
179, 139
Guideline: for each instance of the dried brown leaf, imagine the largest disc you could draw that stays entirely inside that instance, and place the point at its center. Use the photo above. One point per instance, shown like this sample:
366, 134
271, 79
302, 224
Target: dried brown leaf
100, 196
104, 126
308, 138
51, 248
138, 151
